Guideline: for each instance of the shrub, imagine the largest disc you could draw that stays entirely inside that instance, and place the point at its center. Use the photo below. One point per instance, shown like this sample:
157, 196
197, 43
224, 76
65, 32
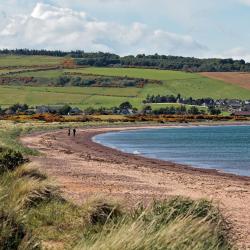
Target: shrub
11, 232
10, 160
98, 211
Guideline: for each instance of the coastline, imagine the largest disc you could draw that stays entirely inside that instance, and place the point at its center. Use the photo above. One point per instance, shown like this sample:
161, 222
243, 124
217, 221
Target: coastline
90, 138
84, 168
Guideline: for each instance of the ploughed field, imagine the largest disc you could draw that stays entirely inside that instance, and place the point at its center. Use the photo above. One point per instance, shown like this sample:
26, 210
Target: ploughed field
241, 79
161, 82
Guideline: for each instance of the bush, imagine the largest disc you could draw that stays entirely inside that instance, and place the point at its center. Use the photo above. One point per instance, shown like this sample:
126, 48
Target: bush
10, 160
11, 232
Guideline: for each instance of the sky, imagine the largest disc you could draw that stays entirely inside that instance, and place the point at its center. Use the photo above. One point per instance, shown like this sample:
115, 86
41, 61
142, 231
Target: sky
198, 28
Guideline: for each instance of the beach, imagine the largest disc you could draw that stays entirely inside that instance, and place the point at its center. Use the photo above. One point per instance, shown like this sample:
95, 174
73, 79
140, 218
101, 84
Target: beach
83, 169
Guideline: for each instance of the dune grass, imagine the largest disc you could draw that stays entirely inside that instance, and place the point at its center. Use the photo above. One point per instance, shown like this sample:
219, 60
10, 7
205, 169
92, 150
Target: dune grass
35, 215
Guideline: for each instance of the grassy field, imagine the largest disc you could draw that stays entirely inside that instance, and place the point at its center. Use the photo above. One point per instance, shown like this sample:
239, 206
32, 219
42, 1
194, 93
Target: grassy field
8, 61
76, 96
173, 82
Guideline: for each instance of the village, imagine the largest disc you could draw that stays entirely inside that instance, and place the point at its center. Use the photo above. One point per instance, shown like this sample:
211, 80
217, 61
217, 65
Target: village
233, 107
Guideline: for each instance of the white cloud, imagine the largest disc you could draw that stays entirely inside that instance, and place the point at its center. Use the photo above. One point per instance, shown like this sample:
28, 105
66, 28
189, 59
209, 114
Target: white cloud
246, 2
236, 53
52, 27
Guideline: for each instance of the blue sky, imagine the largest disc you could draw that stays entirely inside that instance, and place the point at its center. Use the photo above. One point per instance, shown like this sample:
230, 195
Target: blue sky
215, 28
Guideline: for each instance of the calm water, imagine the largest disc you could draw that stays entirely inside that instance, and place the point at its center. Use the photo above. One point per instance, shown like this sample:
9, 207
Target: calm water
226, 148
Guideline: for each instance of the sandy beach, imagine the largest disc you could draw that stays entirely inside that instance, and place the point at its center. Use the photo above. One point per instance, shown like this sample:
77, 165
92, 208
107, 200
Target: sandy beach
83, 168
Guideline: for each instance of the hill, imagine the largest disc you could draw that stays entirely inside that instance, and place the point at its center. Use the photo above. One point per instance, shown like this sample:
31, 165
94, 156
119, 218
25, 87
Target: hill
43, 88
101, 59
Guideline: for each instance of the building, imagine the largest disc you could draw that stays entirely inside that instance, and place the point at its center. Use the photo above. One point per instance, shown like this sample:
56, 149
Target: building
241, 113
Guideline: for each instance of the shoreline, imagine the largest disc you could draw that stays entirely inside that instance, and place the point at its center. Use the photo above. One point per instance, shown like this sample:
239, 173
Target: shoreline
213, 171
83, 168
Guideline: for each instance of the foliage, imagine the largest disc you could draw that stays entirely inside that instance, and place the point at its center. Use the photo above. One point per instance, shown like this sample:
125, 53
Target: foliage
171, 224
214, 111
125, 105
101, 59
10, 160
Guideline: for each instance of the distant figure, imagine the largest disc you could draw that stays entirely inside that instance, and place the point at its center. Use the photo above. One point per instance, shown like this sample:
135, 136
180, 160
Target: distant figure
69, 132
74, 132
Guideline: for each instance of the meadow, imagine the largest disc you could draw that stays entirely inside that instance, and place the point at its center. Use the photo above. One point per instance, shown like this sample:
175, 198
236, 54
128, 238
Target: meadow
14, 61
172, 82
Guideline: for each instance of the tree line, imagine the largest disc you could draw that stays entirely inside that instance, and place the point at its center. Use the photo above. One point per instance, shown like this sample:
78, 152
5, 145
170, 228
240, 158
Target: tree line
168, 62
179, 99
125, 108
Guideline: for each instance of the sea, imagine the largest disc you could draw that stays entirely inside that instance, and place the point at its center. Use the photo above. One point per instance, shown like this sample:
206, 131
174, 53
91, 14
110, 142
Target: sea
225, 148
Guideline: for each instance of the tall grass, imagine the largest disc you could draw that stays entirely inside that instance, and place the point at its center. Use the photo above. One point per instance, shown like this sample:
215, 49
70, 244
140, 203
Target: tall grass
34, 215
174, 224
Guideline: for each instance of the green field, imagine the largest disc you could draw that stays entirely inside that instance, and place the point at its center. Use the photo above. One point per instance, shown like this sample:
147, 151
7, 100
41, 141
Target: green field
10, 61
75, 96
173, 82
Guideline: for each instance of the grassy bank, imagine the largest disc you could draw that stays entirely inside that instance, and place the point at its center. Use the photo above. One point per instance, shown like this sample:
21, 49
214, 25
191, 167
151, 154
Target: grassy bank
34, 214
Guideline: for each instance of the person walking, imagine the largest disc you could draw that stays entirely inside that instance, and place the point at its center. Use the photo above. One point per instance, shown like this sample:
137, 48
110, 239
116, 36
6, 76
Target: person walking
74, 132
69, 132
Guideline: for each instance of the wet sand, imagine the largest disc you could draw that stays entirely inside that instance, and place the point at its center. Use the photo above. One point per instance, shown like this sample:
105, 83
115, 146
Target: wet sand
83, 168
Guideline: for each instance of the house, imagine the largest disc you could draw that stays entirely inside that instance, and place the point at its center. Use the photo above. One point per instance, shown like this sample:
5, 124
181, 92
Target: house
48, 109
235, 104
9, 112
126, 112
241, 113
75, 111
246, 107
42, 109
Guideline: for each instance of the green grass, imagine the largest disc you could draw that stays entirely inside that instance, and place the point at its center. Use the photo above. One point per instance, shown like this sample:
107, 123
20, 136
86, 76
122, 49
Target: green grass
6, 61
138, 73
35, 216
173, 82
43, 74
75, 96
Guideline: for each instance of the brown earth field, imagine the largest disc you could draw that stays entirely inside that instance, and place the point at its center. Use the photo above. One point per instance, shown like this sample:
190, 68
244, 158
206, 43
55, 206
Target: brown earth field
83, 169
238, 78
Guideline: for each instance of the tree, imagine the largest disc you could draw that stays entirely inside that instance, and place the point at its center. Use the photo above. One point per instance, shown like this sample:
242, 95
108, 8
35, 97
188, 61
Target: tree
126, 105
147, 110
63, 80
193, 110
214, 111
89, 111
64, 110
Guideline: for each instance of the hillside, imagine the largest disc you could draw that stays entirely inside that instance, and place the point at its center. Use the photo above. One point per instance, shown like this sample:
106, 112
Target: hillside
43, 88
156, 61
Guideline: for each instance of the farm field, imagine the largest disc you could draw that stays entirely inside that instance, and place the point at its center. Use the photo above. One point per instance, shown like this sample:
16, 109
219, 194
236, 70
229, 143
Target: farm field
75, 96
241, 79
173, 82
14, 61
